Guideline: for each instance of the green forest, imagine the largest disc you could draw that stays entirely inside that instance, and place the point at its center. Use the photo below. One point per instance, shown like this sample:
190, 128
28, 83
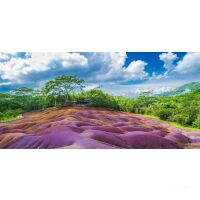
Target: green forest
69, 90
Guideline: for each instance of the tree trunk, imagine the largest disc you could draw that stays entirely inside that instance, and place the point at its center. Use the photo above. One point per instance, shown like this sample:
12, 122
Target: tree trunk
55, 103
66, 99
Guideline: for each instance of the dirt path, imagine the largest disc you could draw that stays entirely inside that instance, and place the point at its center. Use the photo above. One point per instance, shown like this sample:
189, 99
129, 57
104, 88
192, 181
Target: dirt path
79, 127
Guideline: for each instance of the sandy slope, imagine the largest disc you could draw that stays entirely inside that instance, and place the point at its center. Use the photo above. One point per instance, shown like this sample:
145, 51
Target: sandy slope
79, 127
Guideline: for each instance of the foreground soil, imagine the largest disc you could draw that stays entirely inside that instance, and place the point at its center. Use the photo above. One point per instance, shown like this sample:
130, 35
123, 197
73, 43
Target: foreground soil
90, 128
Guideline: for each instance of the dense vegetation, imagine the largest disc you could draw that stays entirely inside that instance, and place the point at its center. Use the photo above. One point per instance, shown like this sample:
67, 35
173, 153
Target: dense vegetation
66, 90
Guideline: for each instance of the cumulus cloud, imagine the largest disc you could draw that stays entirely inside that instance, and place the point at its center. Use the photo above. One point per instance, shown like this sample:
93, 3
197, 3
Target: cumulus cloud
3, 57
18, 69
93, 67
7, 56
168, 59
189, 64
12, 69
48, 61
113, 69
156, 76
105, 66
136, 70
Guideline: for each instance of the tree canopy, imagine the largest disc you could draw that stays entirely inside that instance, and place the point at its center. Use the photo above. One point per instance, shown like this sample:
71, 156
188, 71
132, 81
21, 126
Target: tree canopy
63, 86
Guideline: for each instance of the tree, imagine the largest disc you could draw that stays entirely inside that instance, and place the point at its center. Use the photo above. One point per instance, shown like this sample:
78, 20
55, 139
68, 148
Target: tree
196, 123
62, 86
23, 91
23, 95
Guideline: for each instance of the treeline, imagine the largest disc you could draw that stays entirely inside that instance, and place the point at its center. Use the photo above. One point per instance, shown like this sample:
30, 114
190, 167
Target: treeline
63, 90
183, 109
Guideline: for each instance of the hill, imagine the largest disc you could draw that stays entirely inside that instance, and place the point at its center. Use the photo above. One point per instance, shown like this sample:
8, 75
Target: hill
190, 87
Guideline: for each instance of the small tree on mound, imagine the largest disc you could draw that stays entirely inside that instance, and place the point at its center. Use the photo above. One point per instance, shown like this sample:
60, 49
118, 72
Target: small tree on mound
63, 86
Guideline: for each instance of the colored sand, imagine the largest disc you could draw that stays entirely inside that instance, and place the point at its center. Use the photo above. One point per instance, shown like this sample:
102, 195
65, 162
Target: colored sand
90, 128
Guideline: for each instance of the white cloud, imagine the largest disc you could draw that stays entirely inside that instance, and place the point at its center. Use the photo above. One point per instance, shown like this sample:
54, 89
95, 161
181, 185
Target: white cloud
12, 69
136, 70
113, 69
168, 59
189, 64
15, 69
106, 66
5, 84
47, 61
7, 56
187, 69
155, 76
4, 57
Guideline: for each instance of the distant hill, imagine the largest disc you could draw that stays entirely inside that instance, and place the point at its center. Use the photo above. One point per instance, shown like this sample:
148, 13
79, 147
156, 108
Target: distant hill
190, 87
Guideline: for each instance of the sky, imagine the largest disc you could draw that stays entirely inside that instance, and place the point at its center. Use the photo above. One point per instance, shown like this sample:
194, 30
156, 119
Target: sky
118, 73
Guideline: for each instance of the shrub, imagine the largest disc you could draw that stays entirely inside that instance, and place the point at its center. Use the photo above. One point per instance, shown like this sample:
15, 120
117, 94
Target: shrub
181, 119
164, 114
196, 123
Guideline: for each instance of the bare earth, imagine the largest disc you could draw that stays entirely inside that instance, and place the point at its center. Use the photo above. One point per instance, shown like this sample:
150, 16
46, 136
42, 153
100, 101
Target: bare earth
92, 128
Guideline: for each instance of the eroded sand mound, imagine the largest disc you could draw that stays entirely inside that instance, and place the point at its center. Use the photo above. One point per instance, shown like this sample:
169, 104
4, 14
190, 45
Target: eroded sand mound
92, 128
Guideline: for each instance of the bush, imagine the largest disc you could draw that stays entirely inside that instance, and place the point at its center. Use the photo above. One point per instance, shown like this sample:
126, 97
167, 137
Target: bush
164, 114
10, 114
196, 123
181, 119
1, 115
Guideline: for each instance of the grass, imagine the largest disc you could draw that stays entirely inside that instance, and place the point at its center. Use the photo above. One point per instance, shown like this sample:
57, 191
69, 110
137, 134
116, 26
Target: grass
175, 124
184, 127
8, 119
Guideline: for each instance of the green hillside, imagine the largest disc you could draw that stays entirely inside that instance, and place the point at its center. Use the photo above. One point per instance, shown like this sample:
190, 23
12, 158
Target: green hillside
190, 87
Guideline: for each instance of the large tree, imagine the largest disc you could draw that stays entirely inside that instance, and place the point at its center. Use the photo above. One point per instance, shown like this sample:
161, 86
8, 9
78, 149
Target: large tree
63, 86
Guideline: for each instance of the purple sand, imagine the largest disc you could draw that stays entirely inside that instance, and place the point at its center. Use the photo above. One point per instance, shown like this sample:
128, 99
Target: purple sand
91, 128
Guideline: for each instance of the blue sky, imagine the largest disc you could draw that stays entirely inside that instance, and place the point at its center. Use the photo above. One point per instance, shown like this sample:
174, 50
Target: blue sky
155, 64
119, 73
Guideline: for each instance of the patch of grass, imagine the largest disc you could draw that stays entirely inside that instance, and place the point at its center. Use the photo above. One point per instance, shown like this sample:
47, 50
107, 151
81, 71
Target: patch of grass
184, 127
8, 119
152, 116
175, 124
